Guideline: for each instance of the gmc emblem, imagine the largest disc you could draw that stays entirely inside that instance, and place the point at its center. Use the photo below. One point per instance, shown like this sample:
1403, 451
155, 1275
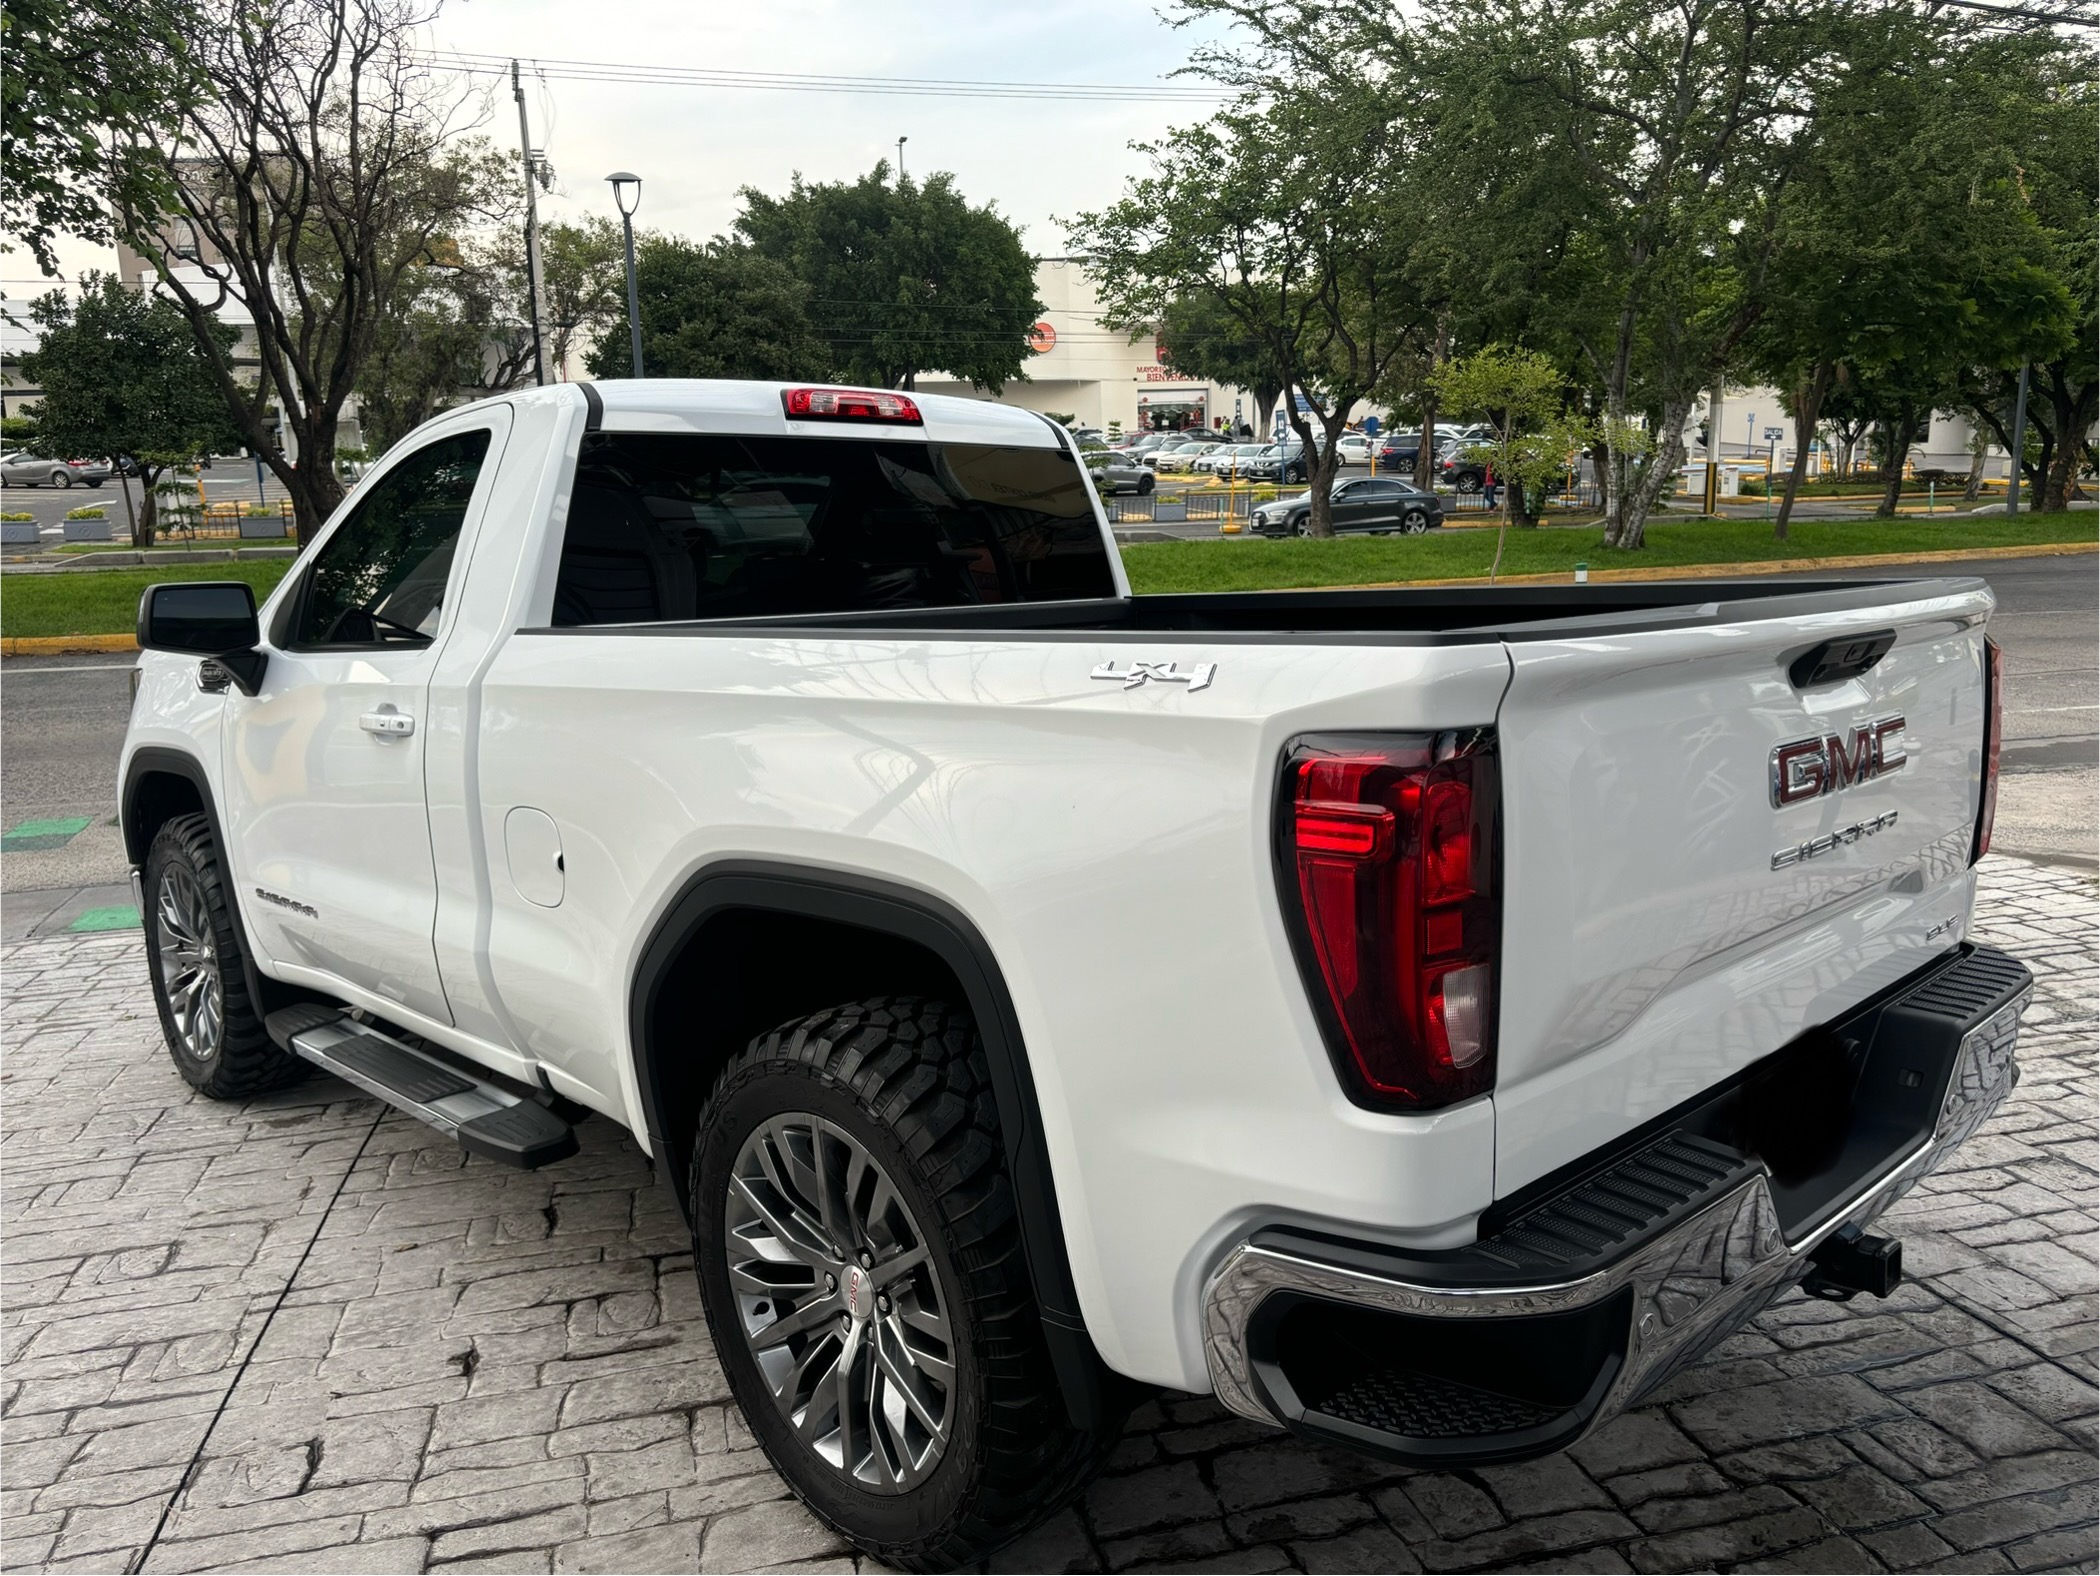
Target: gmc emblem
1810, 768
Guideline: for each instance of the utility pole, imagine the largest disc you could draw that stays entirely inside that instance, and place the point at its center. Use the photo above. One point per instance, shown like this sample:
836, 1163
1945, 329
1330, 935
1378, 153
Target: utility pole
2019, 445
532, 225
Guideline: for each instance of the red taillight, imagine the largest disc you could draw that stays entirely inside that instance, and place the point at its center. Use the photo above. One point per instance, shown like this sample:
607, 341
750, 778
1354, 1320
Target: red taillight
849, 405
1388, 848
1993, 738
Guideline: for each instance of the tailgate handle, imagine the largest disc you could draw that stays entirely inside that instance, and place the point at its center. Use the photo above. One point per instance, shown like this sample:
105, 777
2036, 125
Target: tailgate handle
1845, 658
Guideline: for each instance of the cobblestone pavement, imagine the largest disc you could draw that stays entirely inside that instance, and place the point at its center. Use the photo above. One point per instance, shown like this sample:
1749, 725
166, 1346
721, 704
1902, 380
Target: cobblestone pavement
305, 1334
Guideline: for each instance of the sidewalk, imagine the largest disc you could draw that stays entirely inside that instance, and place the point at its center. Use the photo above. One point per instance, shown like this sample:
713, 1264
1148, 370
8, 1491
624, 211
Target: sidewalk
307, 1334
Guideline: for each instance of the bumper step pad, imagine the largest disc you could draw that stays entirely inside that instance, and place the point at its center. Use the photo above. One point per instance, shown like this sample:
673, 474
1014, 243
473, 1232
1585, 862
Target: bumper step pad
487, 1119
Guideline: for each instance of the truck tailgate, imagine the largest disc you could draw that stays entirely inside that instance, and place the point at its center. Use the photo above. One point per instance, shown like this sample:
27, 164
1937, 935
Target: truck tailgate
1666, 923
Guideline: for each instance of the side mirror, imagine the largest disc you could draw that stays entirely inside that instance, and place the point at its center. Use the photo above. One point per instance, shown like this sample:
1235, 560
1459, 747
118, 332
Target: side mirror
214, 619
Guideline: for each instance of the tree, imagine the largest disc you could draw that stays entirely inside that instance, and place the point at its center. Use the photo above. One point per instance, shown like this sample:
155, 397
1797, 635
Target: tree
583, 283
1520, 395
903, 277
1907, 246
2054, 175
714, 310
313, 168
1203, 340
73, 77
1276, 216
122, 374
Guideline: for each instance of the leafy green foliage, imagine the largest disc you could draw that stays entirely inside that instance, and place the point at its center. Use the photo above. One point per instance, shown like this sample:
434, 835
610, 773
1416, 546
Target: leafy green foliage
71, 73
903, 277
122, 374
1276, 219
714, 310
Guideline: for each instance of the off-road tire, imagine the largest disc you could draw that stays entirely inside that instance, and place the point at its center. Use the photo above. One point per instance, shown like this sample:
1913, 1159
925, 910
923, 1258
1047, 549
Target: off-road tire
907, 1078
245, 1062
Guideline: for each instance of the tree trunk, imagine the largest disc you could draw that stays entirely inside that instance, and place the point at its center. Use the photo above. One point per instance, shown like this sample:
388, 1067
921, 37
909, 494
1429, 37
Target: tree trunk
1425, 448
149, 507
1806, 409
1972, 489
1627, 528
312, 482
131, 514
2071, 415
1895, 449
1523, 505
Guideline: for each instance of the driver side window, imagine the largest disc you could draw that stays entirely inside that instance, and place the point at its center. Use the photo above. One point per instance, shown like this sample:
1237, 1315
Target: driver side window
380, 579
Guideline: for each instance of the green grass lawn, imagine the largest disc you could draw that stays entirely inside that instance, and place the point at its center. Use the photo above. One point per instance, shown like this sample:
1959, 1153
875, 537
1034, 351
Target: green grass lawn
106, 601
100, 602
1269, 565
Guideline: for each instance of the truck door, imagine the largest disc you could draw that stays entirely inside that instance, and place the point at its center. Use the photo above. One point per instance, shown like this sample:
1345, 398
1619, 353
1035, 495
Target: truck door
324, 767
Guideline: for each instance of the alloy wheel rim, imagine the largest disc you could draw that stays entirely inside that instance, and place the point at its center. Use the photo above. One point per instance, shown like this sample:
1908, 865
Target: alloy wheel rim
839, 1304
189, 963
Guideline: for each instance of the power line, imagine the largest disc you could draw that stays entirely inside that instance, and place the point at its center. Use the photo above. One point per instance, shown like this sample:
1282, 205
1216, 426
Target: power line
800, 82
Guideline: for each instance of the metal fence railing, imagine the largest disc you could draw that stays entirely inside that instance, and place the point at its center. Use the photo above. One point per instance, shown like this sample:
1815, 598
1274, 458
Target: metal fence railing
225, 522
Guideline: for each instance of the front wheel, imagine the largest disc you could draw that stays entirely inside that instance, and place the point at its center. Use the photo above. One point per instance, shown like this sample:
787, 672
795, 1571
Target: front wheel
860, 1260
213, 1029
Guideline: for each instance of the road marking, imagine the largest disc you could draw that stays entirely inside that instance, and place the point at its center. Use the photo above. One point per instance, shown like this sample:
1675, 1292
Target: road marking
2036, 711
89, 667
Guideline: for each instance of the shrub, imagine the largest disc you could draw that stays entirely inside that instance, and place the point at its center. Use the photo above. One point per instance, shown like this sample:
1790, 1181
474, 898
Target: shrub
13, 516
91, 512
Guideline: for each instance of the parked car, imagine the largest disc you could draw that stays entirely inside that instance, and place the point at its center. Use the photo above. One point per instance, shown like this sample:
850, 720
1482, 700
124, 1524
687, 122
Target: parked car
1089, 437
1423, 1020
20, 468
1120, 473
1273, 464
1228, 459
1180, 456
1380, 505
1460, 469
1354, 448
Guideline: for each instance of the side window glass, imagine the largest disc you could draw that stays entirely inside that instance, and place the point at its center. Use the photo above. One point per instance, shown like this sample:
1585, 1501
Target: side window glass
380, 579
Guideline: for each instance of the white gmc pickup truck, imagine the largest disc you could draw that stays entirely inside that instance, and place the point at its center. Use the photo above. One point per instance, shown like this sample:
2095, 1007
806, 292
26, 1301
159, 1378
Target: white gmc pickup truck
1424, 1019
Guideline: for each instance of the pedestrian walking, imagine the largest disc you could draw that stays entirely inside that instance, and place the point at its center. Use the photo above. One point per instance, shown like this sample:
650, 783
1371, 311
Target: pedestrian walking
1488, 487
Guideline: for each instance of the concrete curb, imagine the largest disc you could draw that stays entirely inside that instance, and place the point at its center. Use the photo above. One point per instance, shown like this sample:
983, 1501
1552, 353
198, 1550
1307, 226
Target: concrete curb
64, 645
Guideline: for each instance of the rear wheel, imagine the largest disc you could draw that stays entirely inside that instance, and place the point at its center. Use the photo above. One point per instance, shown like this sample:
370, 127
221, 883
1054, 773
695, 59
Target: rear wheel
1468, 484
860, 1259
213, 1029
61, 477
1145, 485
1414, 522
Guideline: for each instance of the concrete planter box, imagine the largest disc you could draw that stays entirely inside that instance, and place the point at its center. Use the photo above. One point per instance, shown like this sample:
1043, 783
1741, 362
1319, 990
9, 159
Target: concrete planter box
90, 531
271, 527
19, 533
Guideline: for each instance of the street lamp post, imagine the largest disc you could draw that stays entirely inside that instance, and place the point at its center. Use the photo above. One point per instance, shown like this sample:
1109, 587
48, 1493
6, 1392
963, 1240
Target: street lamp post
901, 141
627, 193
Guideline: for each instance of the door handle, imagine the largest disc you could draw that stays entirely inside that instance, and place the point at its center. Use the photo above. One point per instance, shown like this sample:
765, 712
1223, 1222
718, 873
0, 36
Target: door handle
388, 723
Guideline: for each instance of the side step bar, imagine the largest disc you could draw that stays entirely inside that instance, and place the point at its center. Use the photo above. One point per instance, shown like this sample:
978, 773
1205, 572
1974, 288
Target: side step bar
485, 1118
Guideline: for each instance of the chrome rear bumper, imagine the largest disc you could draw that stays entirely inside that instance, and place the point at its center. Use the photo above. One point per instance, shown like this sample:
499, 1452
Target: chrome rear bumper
1690, 1285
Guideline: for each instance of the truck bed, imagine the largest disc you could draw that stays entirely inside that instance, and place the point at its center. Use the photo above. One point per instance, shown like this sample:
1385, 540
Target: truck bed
1433, 616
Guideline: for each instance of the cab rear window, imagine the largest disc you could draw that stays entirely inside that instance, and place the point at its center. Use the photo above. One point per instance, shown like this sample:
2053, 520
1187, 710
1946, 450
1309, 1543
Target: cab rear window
666, 527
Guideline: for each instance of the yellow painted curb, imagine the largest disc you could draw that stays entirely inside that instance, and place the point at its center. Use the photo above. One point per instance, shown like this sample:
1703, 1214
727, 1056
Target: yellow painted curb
54, 645
1770, 566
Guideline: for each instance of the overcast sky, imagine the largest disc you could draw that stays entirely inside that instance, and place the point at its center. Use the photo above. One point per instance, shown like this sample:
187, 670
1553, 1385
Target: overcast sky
694, 147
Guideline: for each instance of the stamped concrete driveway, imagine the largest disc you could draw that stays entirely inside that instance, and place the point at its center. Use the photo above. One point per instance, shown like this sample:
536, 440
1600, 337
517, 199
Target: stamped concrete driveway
305, 1334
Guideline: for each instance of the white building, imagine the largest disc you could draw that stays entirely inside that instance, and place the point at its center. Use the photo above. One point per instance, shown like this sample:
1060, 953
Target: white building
1098, 375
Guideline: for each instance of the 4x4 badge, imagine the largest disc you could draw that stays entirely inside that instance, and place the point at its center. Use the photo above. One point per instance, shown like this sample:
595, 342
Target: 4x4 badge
1137, 673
